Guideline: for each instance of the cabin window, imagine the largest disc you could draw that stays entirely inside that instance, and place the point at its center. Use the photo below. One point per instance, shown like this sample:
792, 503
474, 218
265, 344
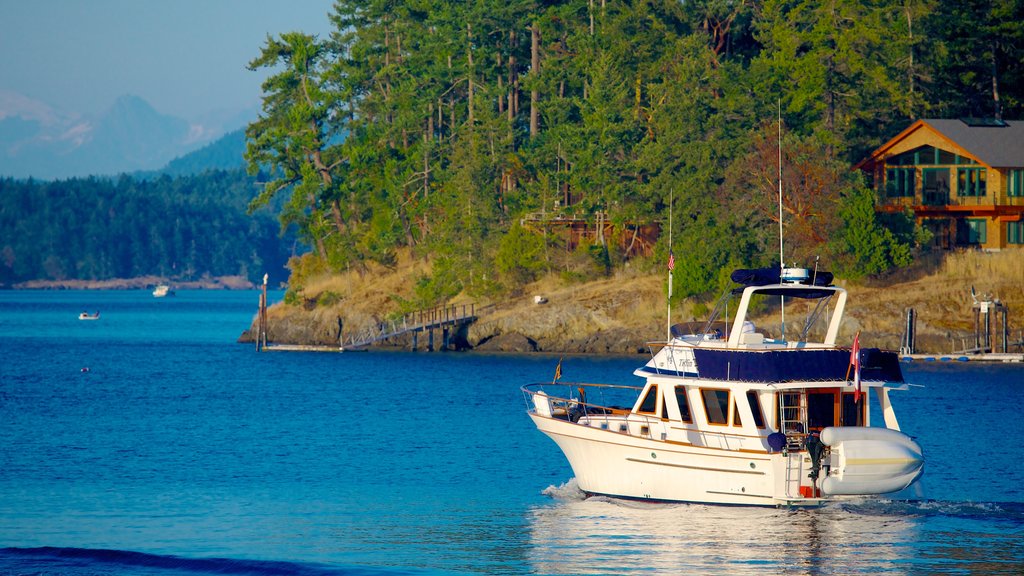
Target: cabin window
716, 405
1015, 182
684, 404
736, 421
664, 409
821, 411
1015, 232
650, 403
850, 409
755, 408
971, 181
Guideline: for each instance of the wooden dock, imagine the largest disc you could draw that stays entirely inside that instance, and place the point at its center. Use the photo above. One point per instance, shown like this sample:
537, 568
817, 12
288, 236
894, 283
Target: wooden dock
446, 320
958, 357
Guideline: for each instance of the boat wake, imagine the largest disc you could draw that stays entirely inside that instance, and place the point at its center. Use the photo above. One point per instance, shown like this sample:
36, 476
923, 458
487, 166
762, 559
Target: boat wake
567, 492
847, 536
99, 562
986, 511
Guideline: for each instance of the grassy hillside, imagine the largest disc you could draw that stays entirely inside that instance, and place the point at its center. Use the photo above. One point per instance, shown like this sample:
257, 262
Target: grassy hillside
621, 313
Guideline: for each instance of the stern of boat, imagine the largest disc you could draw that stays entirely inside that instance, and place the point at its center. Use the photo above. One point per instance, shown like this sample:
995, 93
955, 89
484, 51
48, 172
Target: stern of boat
847, 461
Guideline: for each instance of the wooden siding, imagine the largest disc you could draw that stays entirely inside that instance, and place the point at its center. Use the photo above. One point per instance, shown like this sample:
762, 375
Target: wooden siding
996, 207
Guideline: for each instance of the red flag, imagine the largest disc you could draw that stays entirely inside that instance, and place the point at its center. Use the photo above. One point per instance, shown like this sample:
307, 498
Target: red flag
671, 260
855, 363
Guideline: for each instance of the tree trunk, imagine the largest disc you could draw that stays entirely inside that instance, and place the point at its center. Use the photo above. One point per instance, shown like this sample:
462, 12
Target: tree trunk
535, 65
910, 66
997, 106
513, 78
469, 75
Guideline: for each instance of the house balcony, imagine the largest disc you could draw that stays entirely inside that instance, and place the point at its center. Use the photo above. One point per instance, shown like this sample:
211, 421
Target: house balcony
942, 204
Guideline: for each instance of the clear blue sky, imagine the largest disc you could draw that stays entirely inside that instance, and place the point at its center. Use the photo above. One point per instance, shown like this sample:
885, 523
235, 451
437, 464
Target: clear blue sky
185, 57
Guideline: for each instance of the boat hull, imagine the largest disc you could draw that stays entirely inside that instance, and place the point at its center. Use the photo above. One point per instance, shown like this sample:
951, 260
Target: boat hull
861, 462
621, 465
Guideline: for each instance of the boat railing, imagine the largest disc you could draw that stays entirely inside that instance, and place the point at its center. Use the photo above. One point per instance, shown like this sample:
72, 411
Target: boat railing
571, 401
575, 400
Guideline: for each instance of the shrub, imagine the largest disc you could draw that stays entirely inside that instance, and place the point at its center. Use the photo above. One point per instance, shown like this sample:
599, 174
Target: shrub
520, 256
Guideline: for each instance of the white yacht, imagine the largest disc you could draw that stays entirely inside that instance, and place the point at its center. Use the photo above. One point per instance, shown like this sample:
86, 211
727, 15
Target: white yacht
729, 415
162, 290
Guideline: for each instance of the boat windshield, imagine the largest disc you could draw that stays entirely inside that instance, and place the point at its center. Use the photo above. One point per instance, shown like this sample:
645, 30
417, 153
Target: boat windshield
805, 301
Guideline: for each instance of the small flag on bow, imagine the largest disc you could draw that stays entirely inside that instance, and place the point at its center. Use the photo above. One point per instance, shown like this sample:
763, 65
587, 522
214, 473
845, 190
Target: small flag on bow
671, 261
558, 371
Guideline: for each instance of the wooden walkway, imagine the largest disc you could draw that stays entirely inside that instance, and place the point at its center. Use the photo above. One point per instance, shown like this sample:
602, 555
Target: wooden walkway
446, 319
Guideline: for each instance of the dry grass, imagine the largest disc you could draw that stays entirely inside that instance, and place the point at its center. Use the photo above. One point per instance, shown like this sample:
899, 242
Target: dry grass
940, 294
939, 290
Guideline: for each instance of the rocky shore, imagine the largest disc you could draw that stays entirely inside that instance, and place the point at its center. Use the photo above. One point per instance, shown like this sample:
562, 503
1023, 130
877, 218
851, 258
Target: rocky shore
140, 283
620, 315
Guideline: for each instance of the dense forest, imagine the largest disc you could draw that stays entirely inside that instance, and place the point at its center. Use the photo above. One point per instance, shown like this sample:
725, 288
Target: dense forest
471, 129
95, 228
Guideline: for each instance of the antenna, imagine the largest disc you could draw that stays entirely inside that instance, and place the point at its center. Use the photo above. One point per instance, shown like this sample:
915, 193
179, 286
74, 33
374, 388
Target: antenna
782, 261
671, 266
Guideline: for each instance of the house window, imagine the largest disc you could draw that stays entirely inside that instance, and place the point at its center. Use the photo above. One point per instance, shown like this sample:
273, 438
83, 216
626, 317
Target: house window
971, 181
900, 182
1015, 182
1015, 232
716, 405
976, 231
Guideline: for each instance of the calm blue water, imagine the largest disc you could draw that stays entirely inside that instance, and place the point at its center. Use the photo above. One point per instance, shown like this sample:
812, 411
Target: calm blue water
182, 452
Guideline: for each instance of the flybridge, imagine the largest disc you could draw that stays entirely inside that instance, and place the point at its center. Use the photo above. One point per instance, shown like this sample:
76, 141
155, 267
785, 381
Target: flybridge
778, 366
786, 279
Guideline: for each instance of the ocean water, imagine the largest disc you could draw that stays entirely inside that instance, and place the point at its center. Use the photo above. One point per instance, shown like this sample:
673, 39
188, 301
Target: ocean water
150, 443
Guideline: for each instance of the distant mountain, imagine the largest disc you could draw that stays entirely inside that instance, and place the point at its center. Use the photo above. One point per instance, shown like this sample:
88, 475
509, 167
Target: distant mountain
38, 141
225, 153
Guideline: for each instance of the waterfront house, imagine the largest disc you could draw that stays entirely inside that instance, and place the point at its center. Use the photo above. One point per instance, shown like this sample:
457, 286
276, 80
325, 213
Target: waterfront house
963, 179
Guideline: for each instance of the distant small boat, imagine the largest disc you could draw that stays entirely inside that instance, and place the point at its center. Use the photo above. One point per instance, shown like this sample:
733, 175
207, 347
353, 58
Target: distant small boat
162, 290
87, 316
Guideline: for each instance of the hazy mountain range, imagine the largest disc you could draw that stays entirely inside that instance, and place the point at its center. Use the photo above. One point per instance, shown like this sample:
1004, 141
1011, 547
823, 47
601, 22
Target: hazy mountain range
39, 141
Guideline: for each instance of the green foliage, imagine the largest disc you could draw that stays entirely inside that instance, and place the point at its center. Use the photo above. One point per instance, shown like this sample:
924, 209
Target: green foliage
520, 256
865, 245
303, 269
443, 284
428, 126
328, 298
97, 229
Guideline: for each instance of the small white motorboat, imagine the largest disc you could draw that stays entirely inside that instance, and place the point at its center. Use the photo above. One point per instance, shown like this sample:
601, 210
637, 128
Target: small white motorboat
87, 316
729, 415
162, 290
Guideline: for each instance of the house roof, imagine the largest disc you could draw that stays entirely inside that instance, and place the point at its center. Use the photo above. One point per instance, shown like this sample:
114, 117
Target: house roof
997, 146
994, 146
